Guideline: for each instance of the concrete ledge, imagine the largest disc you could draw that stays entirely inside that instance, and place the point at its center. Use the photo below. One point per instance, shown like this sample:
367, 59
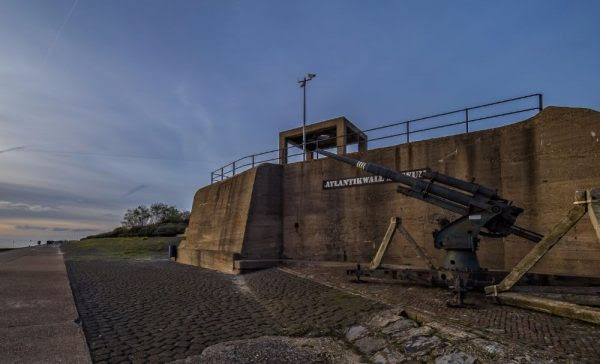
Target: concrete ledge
253, 264
211, 259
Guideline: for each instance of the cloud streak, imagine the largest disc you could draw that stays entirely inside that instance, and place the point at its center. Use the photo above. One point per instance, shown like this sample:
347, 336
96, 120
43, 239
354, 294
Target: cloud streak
8, 205
55, 229
12, 149
59, 31
134, 190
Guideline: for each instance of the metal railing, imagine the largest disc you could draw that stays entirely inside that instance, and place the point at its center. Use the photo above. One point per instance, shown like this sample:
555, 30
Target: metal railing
402, 129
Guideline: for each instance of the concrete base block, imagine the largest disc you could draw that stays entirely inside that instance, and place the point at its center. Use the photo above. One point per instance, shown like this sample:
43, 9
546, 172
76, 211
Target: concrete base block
253, 264
210, 259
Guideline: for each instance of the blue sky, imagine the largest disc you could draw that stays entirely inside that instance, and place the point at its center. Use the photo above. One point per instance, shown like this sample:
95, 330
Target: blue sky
112, 104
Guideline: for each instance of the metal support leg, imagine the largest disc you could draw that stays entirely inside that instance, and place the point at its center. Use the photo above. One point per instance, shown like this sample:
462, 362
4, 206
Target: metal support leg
459, 289
420, 251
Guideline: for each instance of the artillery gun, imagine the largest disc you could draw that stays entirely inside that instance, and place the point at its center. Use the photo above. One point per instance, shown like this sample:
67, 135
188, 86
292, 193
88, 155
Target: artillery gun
482, 212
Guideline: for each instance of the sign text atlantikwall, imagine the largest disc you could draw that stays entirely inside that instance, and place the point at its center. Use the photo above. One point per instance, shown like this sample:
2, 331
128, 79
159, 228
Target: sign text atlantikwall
368, 180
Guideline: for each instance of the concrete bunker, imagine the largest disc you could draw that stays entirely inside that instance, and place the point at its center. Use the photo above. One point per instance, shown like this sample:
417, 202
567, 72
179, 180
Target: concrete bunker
279, 212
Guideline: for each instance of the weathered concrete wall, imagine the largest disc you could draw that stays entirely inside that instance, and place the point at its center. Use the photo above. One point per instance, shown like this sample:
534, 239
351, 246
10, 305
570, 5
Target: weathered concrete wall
239, 218
538, 164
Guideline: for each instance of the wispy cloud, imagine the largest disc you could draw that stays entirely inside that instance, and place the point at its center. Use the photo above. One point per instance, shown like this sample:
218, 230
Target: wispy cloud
12, 149
135, 189
74, 230
8, 205
32, 227
26, 230
57, 35
55, 229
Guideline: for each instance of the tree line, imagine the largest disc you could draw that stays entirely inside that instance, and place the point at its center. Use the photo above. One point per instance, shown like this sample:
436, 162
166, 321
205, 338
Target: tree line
157, 220
157, 213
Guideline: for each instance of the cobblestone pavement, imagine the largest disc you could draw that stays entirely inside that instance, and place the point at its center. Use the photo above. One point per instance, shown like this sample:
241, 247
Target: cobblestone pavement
158, 311
303, 307
565, 339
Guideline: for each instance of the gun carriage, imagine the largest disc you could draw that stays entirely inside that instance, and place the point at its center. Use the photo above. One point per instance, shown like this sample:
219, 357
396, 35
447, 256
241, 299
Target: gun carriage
483, 213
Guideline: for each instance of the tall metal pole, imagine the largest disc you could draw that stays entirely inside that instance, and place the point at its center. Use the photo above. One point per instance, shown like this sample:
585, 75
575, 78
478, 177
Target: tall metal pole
304, 121
302, 83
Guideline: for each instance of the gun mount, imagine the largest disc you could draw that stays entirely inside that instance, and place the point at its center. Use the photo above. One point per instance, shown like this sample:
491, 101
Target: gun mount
482, 212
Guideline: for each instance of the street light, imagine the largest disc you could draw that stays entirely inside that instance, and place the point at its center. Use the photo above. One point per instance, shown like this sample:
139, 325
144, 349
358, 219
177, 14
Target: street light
302, 83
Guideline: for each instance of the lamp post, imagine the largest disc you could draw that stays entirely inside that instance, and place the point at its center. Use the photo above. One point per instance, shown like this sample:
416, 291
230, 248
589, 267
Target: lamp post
302, 83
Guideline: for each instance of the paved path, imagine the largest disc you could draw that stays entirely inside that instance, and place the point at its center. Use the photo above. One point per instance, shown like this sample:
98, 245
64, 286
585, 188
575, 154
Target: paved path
158, 311
37, 312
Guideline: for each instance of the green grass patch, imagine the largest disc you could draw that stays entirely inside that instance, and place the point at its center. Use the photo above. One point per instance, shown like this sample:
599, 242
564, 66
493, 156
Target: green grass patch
119, 248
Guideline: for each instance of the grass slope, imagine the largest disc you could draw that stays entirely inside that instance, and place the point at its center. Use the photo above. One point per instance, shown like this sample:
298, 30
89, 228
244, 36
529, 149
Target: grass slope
119, 248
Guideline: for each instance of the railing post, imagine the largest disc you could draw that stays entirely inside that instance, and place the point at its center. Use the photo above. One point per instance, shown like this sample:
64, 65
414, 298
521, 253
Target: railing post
222, 173
252, 160
407, 132
467, 118
540, 102
233, 168
212, 175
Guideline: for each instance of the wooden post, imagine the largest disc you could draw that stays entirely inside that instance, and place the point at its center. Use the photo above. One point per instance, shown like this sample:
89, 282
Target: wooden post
593, 200
376, 262
558, 308
396, 224
542, 247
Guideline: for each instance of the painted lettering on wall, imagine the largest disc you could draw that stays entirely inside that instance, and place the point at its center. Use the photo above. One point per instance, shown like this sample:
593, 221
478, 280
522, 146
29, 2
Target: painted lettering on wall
368, 180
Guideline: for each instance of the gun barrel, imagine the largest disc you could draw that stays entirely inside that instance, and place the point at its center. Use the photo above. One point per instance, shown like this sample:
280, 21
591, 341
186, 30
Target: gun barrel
415, 184
526, 234
369, 167
447, 198
460, 184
